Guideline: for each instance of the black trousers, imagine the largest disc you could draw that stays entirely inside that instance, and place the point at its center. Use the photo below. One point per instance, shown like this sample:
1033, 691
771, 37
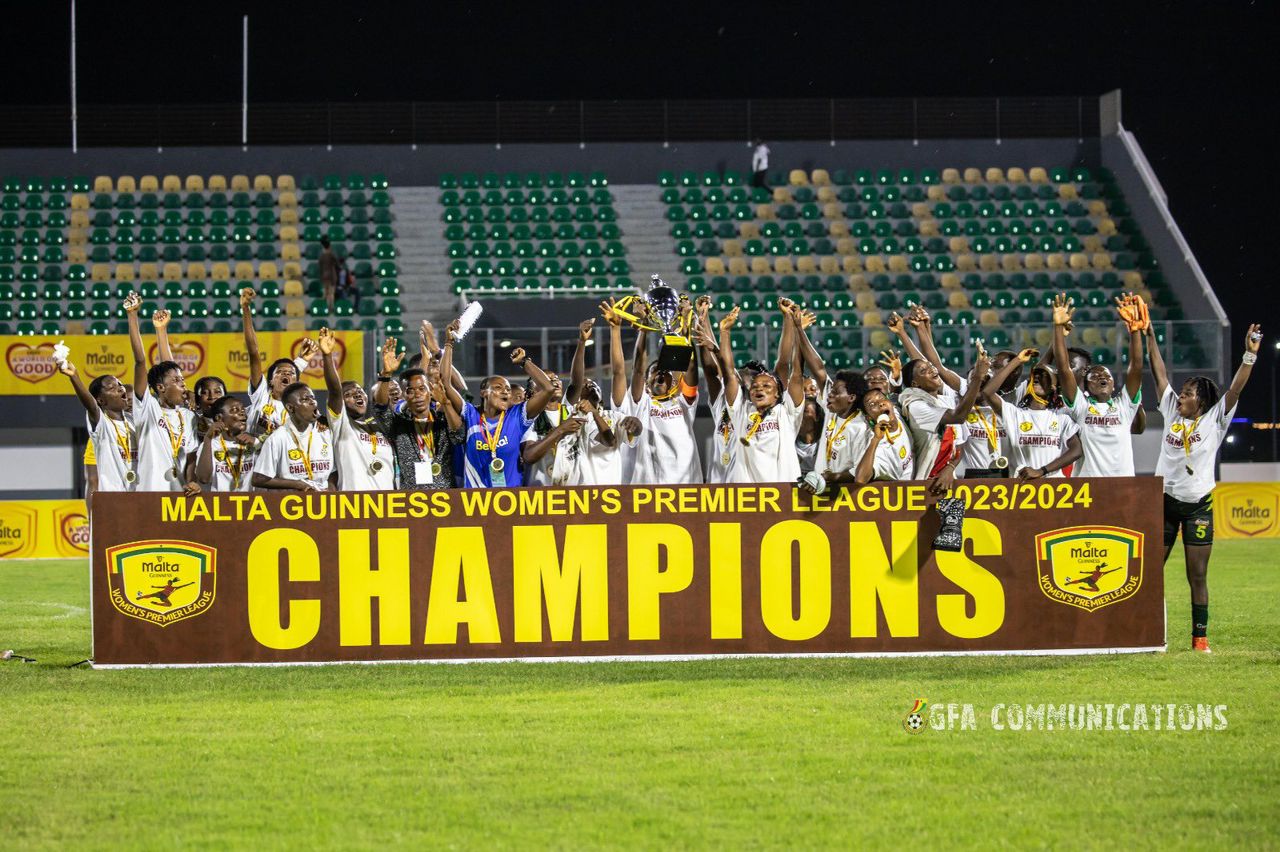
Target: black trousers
757, 179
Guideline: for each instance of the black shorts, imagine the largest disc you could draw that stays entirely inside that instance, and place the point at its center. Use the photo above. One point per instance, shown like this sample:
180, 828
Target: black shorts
1194, 519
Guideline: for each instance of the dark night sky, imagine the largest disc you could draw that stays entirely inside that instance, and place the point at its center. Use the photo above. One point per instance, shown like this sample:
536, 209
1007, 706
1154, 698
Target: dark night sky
1199, 79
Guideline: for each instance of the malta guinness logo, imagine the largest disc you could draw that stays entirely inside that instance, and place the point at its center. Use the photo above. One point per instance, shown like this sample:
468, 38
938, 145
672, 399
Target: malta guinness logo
161, 581
1089, 567
1249, 516
17, 529
73, 527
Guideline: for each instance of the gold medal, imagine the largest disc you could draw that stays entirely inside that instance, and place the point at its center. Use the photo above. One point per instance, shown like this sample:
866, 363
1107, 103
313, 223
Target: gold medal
436, 469
724, 458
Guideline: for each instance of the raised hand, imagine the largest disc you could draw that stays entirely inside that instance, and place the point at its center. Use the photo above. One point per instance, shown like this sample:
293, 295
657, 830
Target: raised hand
703, 306
390, 360
804, 318
702, 334
427, 335
517, 355
1028, 355
785, 305
132, 303
247, 295
307, 349
451, 330
1253, 340
68, 369
610, 315
1064, 309
918, 316
889, 358
326, 341
584, 329
895, 323
983, 366
160, 319
730, 319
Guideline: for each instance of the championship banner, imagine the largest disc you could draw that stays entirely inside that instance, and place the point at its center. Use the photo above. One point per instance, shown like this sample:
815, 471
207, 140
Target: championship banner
1063, 566
30, 370
43, 529
1246, 510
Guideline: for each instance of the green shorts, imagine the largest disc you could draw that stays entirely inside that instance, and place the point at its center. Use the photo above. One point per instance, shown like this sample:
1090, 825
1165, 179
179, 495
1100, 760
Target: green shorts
1194, 519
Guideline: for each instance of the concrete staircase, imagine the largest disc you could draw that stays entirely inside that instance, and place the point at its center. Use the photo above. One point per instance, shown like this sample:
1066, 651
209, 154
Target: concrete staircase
425, 284
645, 233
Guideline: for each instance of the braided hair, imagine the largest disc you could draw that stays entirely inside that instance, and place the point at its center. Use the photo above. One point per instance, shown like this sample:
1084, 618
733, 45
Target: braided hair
1206, 391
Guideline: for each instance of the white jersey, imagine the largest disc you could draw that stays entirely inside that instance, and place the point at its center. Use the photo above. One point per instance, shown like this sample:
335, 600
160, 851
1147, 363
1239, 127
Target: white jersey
366, 459
978, 454
1104, 433
923, 413
114, 448
841, 443
627, 451
769, 454
583, 459
165, 437
1190, 444
666, 453
232, 465
539, 473
895, 459
265, 414
1036, 438
305, 456
723, 458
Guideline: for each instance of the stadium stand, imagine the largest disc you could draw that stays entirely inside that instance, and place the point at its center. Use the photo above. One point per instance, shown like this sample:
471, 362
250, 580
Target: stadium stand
71, 249
529, 234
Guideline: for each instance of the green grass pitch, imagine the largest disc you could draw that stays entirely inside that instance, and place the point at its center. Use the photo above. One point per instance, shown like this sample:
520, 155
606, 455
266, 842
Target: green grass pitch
776, 753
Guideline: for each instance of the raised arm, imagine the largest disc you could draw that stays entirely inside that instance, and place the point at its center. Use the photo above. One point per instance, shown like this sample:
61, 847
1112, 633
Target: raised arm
991, 390
1157, 362
782, 367
1133, 311
390, 363
898, 326
160, 322
639, 364
332, 381
452, 397
795, 379
961, 411
728, 363
707, 347
82, 393
250, 337
536, 404
812, 359
923, 324
1062, 311
204, 462
578, 372
131, 306
1251, 346
866, 469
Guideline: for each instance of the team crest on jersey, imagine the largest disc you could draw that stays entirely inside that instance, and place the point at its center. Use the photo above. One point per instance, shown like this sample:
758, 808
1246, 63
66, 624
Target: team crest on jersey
295, 455
1025, 426
1094, 411
1176, 428
1090, 567
161, 581
973, 417
902, 452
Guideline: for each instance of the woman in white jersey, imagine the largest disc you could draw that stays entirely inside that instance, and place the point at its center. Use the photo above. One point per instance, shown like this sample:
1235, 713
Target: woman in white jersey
539, 443
844, 436
165, 429
106, 402
665, 403
364, 453
1103, 413
889, 454
297, 456
766, 417
266, 398
1195, 424
1042, 438
227, 449
936, 415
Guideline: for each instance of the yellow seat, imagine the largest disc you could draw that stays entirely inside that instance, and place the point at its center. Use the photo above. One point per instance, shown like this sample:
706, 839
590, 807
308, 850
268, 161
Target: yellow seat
75, 327
988, 263
738, 266
871, 319
858, 283
239, 183
1097, 207
1043, 338
267, 270
102, 183
935, 193
124, 272
285, 183
949, 281
805, 265
995, 175
989, 318
929, 228
1107, 227
1038, 175
288, 233
1101, 260
1016, 175
1010, 263
171, 183
172, 272
958, 244
100, 272
77, 237
879, 339
293, 289
1033, 261
828, 265
1132, 280
783, 266
749, 231
148, 183
781, 195
732, 248
289, 216
295, 307
874, 264
839, 228
195, 271
287, 199
295, 324
125, 183
972, 175
1067, 192
820, 177
760, 266
1092, 336
1056, 261
921, 210
958, 300
293, 269
1091, 243
715, 266
899, 264
262, 183
798, 178
865, 300
244, 270
950, 176
831, 211
217, 183
148, 271
851, 263
826, 195
1079, 260
764, 211
289, 251
966, 262
220, 271
77, 254
194, 183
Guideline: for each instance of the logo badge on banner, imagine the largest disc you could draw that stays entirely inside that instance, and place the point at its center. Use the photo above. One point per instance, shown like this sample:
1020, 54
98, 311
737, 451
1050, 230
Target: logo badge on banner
1249, 514
73, 530
17, 530
1090, 567
189, 355
31, 363
161, 581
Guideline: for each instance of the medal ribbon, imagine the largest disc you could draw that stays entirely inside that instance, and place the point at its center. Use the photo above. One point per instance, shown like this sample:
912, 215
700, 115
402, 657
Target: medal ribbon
306, 454
425, 436
993, 437
122, 441
756, 419
491, 438
176, 442
831, 439
1186, 436
239, 466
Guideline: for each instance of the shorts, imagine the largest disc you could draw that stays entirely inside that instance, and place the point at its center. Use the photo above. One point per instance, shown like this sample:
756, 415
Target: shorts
1194, 519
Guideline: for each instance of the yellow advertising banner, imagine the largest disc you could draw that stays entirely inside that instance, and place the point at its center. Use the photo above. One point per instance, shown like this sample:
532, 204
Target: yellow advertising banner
1246, 510
43, 529
30, 371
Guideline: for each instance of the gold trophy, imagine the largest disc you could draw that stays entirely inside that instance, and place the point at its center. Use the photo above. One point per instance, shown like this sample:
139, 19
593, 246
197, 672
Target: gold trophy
664, 316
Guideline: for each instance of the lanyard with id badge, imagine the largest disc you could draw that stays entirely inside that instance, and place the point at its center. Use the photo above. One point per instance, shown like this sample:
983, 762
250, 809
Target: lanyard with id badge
426, 469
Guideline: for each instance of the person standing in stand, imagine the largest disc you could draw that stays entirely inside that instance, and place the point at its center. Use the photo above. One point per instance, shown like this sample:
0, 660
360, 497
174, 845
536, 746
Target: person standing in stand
760, 164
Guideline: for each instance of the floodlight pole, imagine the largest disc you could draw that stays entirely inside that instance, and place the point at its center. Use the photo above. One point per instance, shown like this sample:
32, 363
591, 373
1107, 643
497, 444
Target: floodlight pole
75, 142
244, 87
